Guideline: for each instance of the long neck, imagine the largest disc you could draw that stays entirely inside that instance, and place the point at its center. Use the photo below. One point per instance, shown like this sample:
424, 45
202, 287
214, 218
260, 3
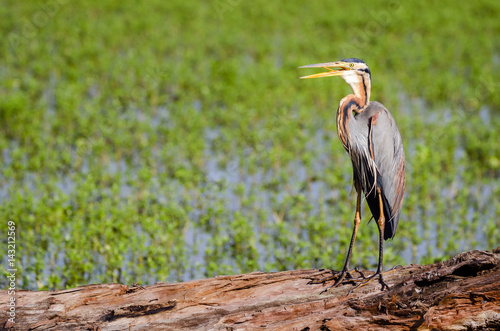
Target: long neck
361, 87
357, 103
344, 115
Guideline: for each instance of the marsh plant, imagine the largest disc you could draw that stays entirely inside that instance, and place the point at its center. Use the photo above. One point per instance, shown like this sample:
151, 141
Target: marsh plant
172, 140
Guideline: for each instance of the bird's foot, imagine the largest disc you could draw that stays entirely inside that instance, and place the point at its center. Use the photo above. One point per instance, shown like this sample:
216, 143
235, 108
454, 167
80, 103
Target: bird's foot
360, 272
343, 277
334, 275
367, 280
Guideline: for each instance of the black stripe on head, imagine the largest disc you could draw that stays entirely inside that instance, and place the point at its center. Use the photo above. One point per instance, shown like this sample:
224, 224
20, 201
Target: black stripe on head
353, 59
365, 70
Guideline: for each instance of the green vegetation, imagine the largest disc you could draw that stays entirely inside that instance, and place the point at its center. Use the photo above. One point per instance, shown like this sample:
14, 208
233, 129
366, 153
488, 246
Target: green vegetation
171, 140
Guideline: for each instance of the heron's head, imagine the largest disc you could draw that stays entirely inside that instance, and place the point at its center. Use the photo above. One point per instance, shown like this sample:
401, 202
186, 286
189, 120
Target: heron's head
353, 71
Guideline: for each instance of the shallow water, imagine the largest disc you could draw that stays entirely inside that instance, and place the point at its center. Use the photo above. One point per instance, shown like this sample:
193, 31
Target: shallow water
227, 187
243, 216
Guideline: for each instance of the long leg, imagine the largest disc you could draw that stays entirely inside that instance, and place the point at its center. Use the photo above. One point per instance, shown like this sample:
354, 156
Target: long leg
357, 220
381, 227
345, 270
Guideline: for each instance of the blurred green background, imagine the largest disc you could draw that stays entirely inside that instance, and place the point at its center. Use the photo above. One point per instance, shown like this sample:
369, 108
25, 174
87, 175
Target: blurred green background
172, 140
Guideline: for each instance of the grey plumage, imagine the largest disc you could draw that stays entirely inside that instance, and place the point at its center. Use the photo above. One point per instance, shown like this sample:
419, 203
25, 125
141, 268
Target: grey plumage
370, 135
375, 130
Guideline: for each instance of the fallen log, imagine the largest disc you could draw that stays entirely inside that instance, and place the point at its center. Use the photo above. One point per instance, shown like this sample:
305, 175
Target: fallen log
462, 293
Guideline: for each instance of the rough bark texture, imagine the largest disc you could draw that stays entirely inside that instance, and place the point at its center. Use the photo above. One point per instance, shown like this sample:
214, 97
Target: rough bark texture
462, 293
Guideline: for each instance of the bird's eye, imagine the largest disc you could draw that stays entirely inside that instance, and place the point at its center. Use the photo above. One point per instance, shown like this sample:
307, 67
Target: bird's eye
351, 65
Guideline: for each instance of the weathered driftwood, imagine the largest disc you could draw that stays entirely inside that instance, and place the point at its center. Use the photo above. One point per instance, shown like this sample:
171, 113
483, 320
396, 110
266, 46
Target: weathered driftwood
462, 293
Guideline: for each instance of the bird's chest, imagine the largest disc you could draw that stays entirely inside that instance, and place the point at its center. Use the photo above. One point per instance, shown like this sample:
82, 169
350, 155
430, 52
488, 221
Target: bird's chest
353, 135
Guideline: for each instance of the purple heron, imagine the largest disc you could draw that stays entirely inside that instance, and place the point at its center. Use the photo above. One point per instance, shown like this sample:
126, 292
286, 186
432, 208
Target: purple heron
371, 138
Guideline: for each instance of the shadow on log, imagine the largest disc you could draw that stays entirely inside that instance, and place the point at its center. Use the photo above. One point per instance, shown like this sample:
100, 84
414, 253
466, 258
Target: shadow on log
462, 293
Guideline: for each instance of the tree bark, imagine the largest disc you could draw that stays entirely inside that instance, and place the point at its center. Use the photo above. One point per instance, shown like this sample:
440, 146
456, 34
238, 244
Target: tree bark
462, 293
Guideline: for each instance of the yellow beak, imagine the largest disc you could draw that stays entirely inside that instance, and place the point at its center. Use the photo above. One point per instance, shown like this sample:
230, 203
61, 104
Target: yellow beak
339, 68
